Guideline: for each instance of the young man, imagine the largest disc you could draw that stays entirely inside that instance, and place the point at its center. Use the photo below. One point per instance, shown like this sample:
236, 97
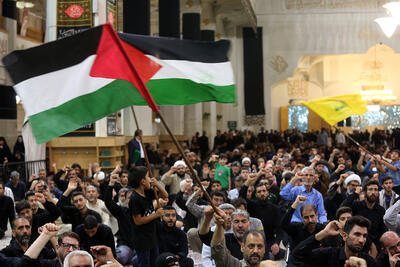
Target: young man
173, 239
354, 233
75, 214
391, 169
93, 233
387, 196
370, 209
144, 216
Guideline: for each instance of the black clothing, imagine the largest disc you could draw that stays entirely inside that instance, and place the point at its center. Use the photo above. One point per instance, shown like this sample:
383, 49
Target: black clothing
124, 218
7, 212
72, 214
231, 242
19, 191
305, 255
172, 239
14, 250
44, 216
268, 213
144, 235
375, 215
382, 260
103, 236
296, 230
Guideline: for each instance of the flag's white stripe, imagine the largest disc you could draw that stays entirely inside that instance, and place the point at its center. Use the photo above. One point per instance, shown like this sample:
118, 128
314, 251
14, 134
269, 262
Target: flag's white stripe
220, 74
58, 87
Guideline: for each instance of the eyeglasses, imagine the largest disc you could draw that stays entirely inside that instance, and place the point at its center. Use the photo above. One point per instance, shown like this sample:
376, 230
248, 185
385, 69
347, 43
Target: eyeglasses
393, 248
171, 261
66, 245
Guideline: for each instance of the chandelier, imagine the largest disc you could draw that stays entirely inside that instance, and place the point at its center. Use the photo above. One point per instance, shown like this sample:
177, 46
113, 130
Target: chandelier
374, 92
389, 24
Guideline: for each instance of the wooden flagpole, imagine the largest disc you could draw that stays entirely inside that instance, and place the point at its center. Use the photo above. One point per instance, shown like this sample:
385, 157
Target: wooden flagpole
358, 144
178, 146
145, 155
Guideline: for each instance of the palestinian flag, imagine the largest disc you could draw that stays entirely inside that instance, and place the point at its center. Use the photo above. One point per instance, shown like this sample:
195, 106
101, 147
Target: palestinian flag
192, 71
69, 83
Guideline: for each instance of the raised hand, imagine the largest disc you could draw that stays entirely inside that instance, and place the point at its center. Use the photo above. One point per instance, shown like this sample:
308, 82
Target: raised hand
299, 200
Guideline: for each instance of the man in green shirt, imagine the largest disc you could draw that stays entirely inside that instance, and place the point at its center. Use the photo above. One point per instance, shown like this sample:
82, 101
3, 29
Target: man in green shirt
222, 172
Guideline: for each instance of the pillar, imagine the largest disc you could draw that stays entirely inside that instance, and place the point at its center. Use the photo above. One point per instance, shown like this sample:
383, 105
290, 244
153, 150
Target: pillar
169, 26
191, 31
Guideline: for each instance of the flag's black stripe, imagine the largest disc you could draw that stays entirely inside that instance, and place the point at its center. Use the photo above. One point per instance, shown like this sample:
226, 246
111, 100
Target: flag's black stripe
173, 48
53, 56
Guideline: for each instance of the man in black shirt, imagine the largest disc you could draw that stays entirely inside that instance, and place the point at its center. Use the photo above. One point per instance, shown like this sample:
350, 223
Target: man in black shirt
172, 239
41, 216
93, 233
125, 240
268, 213
21, 232
77, 213
370, 209
6, 210
354, 233
300, 231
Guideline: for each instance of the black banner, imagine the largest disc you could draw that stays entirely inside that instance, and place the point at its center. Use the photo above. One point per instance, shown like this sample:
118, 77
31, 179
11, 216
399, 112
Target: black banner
88, 130
253, 72
8, 104
73, 16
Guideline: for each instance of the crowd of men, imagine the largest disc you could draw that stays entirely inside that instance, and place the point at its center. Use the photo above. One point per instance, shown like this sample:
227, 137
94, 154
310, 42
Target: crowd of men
292, 198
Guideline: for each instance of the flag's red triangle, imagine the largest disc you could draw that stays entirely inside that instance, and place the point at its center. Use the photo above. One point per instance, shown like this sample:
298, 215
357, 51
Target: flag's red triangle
116, 60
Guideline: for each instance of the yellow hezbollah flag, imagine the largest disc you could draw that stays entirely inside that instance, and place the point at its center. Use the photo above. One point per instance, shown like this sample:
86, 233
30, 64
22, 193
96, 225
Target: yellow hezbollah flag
337, 108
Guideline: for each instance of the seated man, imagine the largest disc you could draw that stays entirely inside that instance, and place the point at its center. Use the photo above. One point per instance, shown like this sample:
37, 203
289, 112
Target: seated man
172, 239
74, 257
17, 186
94, 203
390, 254
290, 192
6, 210
354, 233
75, 214
41, 217
300, 231
21, 232
253, 246
93, 233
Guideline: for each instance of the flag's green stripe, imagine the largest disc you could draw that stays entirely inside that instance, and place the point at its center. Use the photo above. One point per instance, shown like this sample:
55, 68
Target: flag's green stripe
119, 94
82, 110
185, 92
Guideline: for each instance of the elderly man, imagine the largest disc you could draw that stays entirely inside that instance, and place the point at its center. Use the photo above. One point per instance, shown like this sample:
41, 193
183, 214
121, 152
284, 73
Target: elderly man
290, 192
94, 203
174, 176
390, 255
